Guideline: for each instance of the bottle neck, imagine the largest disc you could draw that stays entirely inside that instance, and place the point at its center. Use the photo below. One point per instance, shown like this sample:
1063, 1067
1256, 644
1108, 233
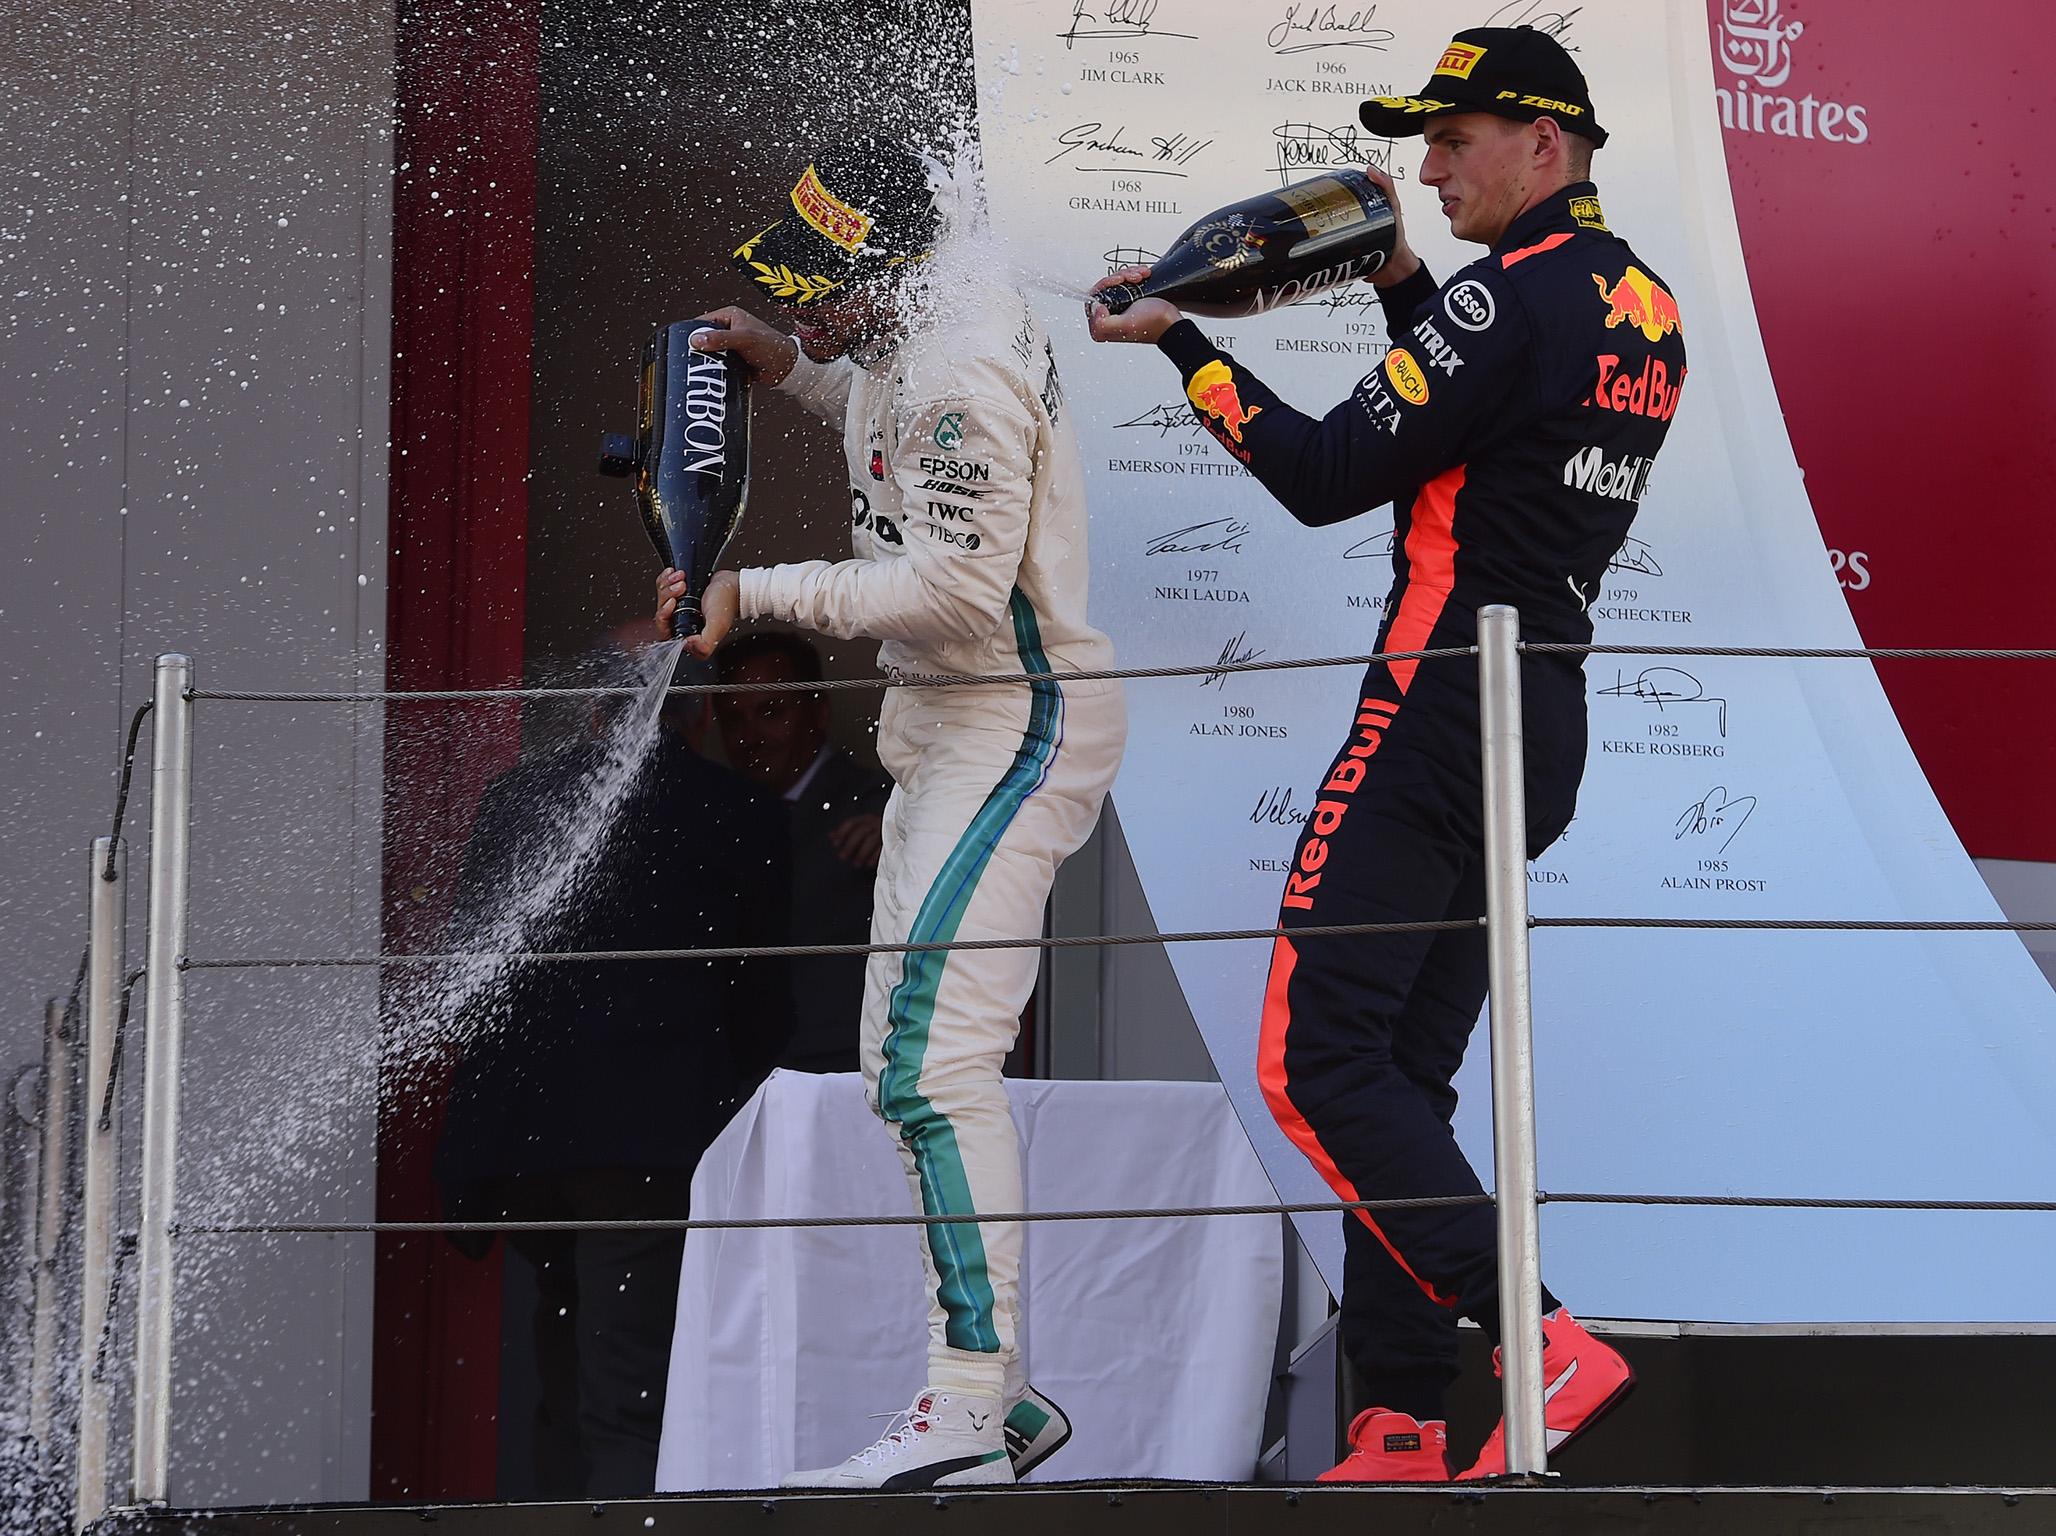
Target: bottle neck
1118, 298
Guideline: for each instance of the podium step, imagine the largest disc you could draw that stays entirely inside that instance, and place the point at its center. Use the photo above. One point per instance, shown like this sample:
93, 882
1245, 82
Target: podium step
1159, 1509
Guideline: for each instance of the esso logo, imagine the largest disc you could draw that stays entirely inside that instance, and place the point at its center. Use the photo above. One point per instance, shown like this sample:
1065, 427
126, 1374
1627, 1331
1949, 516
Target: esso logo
1469, 305
1851, 568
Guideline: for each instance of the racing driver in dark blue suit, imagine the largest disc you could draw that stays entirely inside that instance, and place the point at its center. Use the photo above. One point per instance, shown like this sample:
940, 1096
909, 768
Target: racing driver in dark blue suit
1511, 425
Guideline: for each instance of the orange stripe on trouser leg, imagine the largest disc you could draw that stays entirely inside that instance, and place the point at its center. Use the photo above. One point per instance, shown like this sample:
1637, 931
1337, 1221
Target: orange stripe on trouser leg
1270, 1076
1430, 571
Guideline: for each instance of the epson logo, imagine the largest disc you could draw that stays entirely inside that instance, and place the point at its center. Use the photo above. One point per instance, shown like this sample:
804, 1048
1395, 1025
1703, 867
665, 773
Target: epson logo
1623, 479
706, 413
956, 469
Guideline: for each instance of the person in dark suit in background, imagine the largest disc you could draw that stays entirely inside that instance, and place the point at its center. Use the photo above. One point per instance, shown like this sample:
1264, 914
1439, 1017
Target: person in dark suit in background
588, 1090
779, 741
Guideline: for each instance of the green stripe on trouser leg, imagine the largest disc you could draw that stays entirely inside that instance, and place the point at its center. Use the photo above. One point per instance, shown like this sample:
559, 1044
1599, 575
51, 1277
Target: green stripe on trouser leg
957, 1252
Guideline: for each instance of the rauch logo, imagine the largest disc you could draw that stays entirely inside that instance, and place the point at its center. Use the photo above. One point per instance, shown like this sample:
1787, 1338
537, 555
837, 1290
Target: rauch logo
1756, 49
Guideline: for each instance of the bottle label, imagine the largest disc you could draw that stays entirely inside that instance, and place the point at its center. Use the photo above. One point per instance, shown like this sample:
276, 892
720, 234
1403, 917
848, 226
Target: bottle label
1316, 282
706, 412
1324, 205
1228, 243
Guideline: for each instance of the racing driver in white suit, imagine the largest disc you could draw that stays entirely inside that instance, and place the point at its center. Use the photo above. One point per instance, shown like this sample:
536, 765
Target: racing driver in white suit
967, 511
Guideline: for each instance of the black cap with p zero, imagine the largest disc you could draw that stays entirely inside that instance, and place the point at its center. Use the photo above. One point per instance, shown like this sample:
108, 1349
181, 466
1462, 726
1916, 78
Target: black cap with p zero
860, 208
1514, 72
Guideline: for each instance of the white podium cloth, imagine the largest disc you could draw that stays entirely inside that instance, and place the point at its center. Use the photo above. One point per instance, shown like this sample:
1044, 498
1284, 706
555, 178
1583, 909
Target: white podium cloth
1156, 1337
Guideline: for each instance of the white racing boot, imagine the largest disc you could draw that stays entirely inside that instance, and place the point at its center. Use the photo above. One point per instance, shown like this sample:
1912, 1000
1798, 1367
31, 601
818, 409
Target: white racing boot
1036, 1429
944, 1440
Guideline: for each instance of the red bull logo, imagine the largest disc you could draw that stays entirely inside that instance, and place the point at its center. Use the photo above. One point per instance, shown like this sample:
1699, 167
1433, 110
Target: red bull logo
1213, 393
1639, 300
1652, 392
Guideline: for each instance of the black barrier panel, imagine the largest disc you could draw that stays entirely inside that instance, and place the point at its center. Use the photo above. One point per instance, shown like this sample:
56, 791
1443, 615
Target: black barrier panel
1158, 1510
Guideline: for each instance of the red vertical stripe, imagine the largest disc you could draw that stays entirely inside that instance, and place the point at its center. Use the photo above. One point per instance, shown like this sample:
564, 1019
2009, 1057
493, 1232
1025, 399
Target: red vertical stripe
1431, 575
463, 307
1431, 570
1270, 1076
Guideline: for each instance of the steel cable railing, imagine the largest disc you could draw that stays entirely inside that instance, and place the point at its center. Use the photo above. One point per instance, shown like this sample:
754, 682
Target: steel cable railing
1107, 940
895, 678
1499, 645
900, 679
1113, 1213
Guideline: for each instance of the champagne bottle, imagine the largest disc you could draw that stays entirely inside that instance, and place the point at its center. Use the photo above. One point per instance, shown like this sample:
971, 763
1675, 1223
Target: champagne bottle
690, 456
1272, 249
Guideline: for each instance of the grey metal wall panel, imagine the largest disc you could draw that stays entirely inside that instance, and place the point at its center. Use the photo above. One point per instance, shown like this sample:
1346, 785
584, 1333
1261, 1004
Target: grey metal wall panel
192, 456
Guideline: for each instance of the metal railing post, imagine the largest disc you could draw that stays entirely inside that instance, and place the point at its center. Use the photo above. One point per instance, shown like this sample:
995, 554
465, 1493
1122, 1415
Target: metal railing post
17, 1234
106, 909
1513, 1046
53, 1199
171, 766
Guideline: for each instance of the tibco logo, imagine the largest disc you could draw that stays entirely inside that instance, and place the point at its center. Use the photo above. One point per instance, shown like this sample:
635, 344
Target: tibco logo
1756, 48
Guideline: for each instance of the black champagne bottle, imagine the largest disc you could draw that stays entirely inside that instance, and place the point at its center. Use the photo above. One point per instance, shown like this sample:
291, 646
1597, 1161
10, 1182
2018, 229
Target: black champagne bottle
1272, 249
690, 456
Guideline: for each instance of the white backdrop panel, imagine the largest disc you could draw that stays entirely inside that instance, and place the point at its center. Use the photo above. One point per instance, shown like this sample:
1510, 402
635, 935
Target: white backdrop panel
1670, 1062
1155, 1336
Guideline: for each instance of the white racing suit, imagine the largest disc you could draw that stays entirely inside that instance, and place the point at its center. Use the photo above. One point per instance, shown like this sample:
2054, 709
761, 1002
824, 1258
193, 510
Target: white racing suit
967, 505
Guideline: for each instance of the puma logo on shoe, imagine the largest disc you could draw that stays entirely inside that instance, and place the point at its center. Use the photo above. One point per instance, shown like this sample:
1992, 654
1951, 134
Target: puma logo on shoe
916, 1478
1551, 1436
1590, 1378
921, 1450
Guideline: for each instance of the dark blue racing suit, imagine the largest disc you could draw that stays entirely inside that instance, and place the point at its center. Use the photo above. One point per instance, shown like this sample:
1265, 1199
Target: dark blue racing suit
1512, 426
